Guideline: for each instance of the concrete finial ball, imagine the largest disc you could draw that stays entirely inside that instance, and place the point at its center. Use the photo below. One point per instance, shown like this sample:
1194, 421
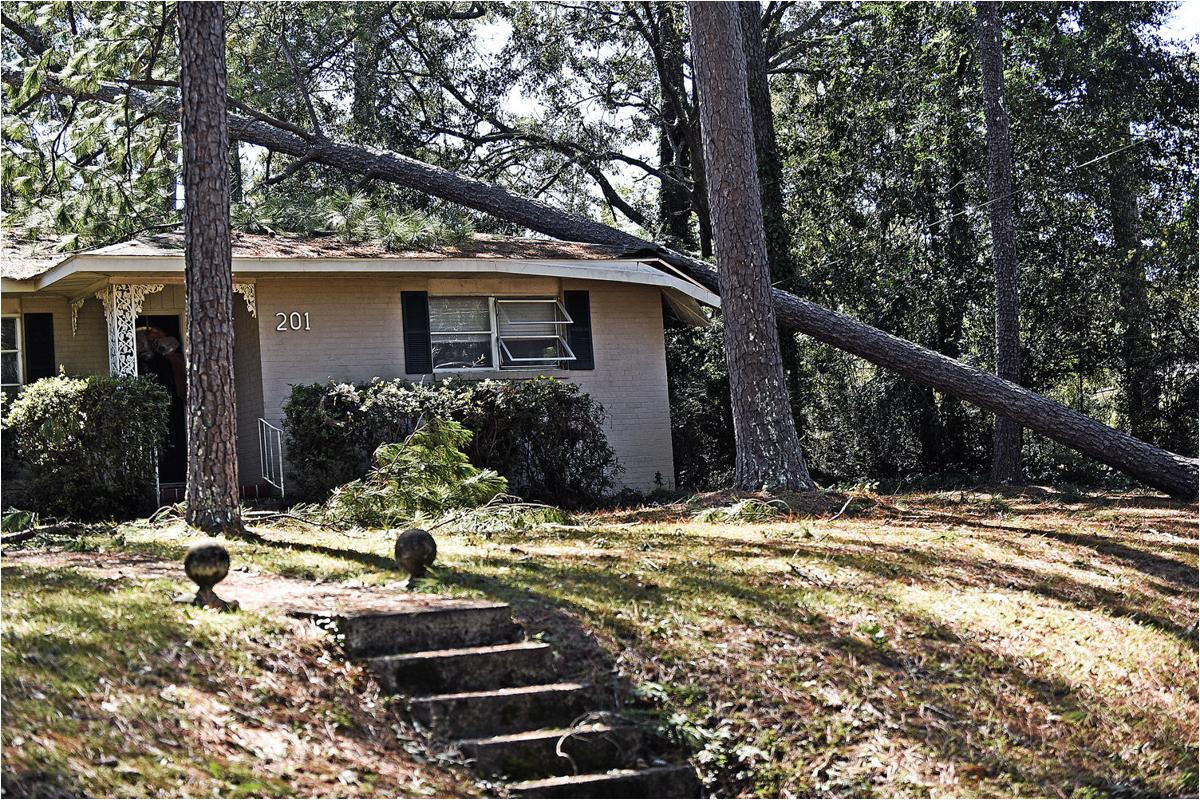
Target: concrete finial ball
415, 553
207, 564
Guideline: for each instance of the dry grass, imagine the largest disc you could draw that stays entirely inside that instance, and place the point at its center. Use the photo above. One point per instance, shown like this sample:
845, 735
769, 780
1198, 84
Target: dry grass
961, 644
112, 690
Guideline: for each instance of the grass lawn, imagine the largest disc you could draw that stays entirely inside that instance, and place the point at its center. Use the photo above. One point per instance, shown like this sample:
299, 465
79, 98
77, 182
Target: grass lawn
921, 644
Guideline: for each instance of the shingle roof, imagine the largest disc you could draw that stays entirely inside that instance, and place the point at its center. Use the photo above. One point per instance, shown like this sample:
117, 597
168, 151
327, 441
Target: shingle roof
23, 260
28, 259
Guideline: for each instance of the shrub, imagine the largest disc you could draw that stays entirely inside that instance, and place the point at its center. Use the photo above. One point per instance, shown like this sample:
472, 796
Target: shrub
545, 436
88, 445
426, 474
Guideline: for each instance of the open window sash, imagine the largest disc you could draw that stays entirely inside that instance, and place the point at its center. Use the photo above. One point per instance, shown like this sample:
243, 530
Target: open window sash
562, 350
527, 313
532, 333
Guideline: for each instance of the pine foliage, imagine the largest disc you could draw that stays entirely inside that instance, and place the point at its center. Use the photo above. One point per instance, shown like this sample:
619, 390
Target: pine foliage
425, 475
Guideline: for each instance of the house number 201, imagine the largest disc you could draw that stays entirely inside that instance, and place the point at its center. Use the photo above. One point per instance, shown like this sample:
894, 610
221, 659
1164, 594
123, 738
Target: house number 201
295, 321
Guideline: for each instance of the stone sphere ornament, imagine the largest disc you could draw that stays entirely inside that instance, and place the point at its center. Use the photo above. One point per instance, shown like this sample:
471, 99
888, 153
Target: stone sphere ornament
415, 553
207, 564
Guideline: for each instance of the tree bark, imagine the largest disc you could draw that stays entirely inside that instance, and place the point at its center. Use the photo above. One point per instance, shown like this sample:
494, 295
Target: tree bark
766, 151
770, 180
212, 481
675, 198
1141, 385
1156, 467
235, 172
1006, 441
768, 449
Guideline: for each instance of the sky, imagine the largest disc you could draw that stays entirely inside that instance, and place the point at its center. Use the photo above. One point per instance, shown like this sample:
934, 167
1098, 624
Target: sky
1185, 22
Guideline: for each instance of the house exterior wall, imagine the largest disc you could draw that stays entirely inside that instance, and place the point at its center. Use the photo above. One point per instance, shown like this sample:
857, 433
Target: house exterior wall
356, 334
86, 353
247, 385
82, 353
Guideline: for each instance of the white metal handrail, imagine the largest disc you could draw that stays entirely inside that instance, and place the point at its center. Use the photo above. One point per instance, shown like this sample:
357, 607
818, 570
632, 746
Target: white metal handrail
270, 454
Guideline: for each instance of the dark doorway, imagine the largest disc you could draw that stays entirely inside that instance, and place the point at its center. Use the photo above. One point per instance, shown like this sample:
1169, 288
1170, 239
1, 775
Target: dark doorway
160, 356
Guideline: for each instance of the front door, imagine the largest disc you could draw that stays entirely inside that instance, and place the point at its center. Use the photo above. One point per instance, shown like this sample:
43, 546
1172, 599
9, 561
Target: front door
160, 356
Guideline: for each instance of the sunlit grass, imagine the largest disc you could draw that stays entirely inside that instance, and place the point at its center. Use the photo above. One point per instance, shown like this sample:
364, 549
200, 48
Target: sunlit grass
933, 644
112, 689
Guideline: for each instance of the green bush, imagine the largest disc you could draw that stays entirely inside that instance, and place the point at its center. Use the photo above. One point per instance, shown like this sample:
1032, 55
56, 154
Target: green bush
425, 475
545, 436
87, 445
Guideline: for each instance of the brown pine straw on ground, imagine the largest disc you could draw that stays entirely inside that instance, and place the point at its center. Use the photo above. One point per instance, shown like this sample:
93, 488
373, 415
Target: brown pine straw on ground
953, 643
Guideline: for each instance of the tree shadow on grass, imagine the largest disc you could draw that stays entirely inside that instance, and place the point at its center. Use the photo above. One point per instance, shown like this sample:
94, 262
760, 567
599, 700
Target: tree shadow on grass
76, 643
942, 687
1142, 559
372, 560
940, 569
927, 568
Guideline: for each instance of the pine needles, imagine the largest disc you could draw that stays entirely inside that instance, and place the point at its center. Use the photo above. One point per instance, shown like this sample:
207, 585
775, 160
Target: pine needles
426, 475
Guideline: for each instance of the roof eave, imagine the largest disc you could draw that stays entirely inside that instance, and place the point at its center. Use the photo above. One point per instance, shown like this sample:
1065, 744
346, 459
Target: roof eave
638, 271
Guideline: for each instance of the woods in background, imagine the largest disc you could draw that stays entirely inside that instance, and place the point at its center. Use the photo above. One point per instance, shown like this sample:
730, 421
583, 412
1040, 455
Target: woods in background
878, 126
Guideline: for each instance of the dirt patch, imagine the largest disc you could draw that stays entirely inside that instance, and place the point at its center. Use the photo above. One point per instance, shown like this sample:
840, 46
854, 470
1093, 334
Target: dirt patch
254, 590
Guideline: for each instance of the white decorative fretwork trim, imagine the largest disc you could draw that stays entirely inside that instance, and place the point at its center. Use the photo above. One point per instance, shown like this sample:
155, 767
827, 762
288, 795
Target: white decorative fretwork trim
122, 302
246, 290
75, 306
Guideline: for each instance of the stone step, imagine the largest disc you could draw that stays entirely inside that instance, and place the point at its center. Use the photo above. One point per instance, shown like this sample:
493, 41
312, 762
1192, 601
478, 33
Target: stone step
598, 746
387, 631
465, 715
463, 669
669, 781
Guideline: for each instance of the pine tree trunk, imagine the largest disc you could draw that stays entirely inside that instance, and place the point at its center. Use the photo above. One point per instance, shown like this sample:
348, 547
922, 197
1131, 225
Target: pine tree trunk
212, 479
235, 172
1155, 466
770, 182
1141, 387
768, 449
1006, 452
675, 147
766, 151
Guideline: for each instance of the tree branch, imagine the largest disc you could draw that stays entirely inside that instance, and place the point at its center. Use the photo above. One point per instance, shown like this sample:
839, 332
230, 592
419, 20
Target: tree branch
302, 85
32, 39
1168, 471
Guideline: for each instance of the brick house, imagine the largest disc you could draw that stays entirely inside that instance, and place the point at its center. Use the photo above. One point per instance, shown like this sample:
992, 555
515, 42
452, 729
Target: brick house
314, 309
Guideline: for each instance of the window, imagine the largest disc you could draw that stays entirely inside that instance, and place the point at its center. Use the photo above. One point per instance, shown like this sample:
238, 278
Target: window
10, 355
460, 332
468, 333
532, 333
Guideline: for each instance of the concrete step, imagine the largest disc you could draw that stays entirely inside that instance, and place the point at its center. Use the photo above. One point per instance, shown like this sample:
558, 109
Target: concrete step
465, 715
529, 754
464, 669
461, 624
670, 781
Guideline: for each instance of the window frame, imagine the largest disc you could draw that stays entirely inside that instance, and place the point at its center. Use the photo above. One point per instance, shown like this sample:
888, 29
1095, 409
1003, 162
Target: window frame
557, 324
491, 334
499, 351
19, 351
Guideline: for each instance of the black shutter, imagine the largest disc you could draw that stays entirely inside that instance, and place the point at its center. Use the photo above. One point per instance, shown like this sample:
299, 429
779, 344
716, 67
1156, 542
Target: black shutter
39, 346
579, 309
418, 357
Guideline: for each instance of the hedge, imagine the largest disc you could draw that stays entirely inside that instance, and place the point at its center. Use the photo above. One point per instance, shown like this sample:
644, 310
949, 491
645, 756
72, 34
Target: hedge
545, 436
84, 448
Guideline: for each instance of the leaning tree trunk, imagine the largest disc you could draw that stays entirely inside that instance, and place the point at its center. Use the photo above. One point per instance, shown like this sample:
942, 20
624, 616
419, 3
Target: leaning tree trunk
212, 479
768, 449
1006, 440
1156, 467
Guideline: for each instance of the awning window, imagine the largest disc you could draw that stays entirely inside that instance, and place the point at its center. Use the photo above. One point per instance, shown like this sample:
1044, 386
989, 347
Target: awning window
532, 333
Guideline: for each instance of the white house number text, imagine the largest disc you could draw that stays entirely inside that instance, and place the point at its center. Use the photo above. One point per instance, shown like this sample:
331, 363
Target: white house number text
295, 321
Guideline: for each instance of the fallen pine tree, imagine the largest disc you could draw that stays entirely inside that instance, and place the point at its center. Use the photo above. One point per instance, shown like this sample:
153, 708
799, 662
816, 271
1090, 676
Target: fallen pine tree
1170, 472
